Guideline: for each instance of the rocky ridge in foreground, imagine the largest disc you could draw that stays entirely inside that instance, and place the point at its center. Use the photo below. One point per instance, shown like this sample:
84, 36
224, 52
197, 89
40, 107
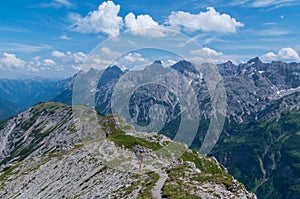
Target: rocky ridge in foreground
45, 154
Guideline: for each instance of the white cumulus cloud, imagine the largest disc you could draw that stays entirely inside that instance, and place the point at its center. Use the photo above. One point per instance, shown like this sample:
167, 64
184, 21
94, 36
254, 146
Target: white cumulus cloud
131, 60
104, 20
78, 57
11, 61
74, 60
140, 25
209, 21
58, 54
134, 57
207, 55
285, 54
36, 64
69, 57
101, 60
48, 62
107, 52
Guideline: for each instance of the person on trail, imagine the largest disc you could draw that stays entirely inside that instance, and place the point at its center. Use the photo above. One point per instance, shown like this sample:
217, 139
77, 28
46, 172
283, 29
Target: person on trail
139, 152
106, 134
141, 156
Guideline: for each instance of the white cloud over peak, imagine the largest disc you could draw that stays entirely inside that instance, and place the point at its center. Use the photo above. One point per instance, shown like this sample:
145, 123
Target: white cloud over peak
104, 20
108, 57
78, 57
101, 60
134, 57
207, 52
139, 25
131, 60
209, 21
36, 64
69, 57
58, 54
48, 62
285, 54
10, 61
207, 55
107, 52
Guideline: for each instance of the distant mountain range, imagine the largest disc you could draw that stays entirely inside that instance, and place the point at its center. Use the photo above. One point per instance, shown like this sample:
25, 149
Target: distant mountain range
250, 87
8, 109
19, 95
258, 142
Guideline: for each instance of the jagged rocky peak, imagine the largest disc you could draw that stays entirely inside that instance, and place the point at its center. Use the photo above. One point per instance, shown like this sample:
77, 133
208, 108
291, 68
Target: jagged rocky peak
157, 62
227, 68
184, 66
155, 67
255, 60
110, 69
45, 154
113, 68
89, 73
110, 73
228, 63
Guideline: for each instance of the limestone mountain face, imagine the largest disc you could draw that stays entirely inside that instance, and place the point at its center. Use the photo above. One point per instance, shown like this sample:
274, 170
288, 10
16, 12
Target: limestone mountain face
48, 151
250, 87
253, 86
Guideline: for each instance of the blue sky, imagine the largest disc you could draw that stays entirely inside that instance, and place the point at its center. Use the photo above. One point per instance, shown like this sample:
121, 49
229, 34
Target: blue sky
51, 38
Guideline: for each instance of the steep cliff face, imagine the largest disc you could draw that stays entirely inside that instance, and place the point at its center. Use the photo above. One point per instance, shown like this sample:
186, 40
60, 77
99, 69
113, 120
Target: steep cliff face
45, 155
